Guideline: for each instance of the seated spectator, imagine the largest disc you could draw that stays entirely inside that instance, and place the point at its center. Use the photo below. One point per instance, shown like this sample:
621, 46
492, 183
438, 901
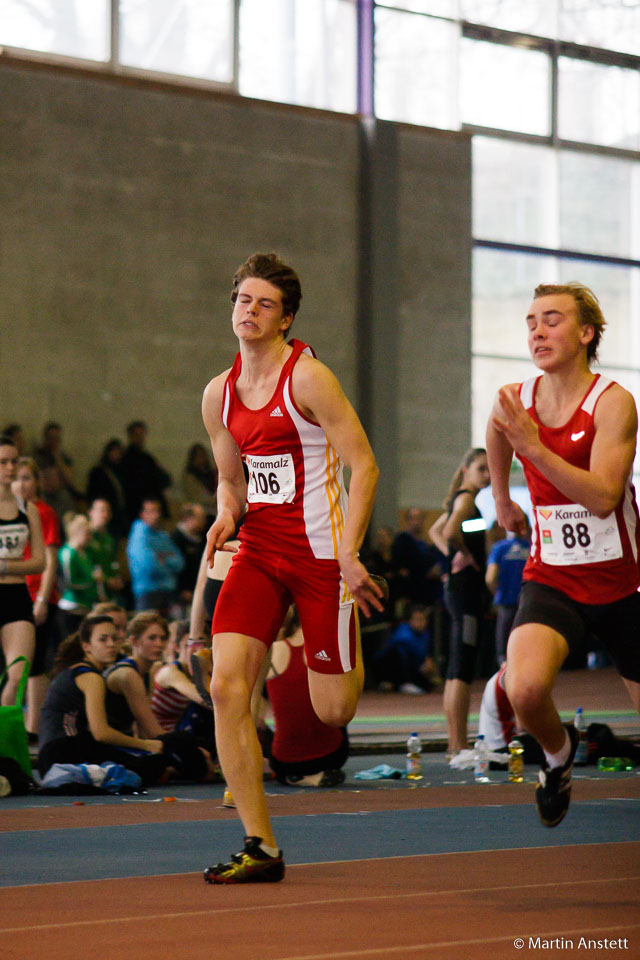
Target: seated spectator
377, 558
305, 752
80, 577
175, 701
128, 701
54, 492
73, 721
50, 453
142, 476
154, 561
200, 479
417, 564
105, 483
15, 433
43, 591
118, 615
505, 564
190, 538
407, 663
103, 550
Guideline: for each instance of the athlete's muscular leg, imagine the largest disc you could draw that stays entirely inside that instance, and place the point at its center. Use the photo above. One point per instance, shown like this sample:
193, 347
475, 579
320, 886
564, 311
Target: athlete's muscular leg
535, 654
335, 696
236, 664
456, 701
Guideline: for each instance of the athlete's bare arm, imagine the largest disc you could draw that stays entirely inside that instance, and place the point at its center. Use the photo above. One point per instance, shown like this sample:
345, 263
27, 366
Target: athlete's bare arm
463, 509
499, 456
599, 488
232, 488
436, 533
321, 398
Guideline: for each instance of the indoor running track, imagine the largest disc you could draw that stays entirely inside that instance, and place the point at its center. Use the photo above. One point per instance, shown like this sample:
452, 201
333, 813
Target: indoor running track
462, 871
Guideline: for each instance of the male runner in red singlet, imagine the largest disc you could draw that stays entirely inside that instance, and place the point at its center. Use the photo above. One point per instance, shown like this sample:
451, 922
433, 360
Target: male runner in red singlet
575, 433
281, 417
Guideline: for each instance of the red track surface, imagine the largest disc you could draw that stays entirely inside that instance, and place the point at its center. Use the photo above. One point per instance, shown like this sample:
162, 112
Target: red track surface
467, 906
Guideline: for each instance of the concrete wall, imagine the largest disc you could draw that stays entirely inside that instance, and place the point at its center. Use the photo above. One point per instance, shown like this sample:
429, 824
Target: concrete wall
126, 208
418, 344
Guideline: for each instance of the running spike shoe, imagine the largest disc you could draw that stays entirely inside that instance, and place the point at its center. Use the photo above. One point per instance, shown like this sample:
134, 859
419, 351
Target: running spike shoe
553, 792
252, 865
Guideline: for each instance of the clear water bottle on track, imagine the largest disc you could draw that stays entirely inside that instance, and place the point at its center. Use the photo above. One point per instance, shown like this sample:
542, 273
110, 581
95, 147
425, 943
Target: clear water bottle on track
580, 724
414, 757
481, 765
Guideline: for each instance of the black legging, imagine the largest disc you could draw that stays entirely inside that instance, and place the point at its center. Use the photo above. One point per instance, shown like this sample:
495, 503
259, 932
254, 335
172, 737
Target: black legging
466, 610
305, 768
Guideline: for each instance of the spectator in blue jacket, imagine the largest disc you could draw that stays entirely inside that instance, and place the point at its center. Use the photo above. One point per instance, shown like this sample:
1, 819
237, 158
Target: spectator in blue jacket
406, 663
505, 564
154, 561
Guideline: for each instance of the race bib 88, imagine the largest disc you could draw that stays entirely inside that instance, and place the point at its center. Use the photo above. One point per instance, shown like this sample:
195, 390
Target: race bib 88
271, 479
570, 534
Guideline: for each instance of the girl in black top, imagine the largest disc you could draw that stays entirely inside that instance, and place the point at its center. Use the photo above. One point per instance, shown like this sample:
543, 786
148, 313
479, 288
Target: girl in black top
460, 534
73, 722
19, 524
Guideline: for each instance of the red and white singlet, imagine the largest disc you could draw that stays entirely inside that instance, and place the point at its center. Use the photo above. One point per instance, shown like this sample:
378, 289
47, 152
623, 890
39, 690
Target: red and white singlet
296, 494
592, 560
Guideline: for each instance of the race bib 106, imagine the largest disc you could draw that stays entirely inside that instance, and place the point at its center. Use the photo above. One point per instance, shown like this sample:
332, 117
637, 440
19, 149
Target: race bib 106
570, 534
271, 479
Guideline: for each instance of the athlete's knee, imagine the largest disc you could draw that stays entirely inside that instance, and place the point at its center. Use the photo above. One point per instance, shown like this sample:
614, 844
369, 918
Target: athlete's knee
335, 714
526, 696
228, 692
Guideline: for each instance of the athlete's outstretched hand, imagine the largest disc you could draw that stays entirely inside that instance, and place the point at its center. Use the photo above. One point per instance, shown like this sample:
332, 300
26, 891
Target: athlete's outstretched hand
365, 591
514, 421
220, 532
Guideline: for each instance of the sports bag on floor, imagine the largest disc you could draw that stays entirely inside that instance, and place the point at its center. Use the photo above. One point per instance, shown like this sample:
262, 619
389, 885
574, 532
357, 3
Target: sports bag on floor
13, 735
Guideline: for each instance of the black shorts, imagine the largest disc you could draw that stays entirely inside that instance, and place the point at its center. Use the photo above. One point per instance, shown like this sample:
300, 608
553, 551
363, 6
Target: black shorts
616, 624
15, 603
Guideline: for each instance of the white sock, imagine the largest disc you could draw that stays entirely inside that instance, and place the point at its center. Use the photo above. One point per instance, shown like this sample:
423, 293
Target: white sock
270, 851
560, 758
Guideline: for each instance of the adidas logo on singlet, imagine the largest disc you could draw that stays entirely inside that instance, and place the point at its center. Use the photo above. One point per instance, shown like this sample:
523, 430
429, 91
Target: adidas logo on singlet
276, 412
323, 656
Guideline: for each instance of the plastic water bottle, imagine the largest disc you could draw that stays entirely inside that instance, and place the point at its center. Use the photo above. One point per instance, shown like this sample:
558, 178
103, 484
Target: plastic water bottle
615, 763
579, 723
481, 766
516, 762
414, 757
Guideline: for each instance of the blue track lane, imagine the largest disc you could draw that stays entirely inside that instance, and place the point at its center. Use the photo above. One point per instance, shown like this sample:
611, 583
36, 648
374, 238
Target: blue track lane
94, 853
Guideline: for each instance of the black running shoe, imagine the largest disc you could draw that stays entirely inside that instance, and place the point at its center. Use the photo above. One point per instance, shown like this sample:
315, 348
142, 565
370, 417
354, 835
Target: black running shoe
554, 789
252, 865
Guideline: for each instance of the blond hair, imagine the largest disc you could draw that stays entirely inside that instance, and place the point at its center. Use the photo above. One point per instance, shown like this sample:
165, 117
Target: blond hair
589, 310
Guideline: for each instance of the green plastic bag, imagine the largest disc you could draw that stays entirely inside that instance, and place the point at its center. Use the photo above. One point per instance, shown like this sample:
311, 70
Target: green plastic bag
13, 734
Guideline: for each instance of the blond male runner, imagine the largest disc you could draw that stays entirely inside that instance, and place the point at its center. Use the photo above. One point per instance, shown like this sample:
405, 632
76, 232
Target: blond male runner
281, 418
575, 433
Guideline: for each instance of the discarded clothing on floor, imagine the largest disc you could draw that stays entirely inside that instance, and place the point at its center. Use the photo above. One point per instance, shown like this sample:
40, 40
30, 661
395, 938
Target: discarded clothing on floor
381, 772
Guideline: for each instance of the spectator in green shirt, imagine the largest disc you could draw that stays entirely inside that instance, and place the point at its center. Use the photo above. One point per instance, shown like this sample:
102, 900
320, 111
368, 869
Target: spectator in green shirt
80, 575
103, 550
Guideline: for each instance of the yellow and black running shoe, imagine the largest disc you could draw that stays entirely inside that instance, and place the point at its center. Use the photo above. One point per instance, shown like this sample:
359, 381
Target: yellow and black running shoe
252, 865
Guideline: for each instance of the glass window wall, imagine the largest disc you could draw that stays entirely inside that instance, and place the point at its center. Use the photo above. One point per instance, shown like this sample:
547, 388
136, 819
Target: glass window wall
416, 69
192, 38
599, 103
71, 28
505, 87
299, 51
